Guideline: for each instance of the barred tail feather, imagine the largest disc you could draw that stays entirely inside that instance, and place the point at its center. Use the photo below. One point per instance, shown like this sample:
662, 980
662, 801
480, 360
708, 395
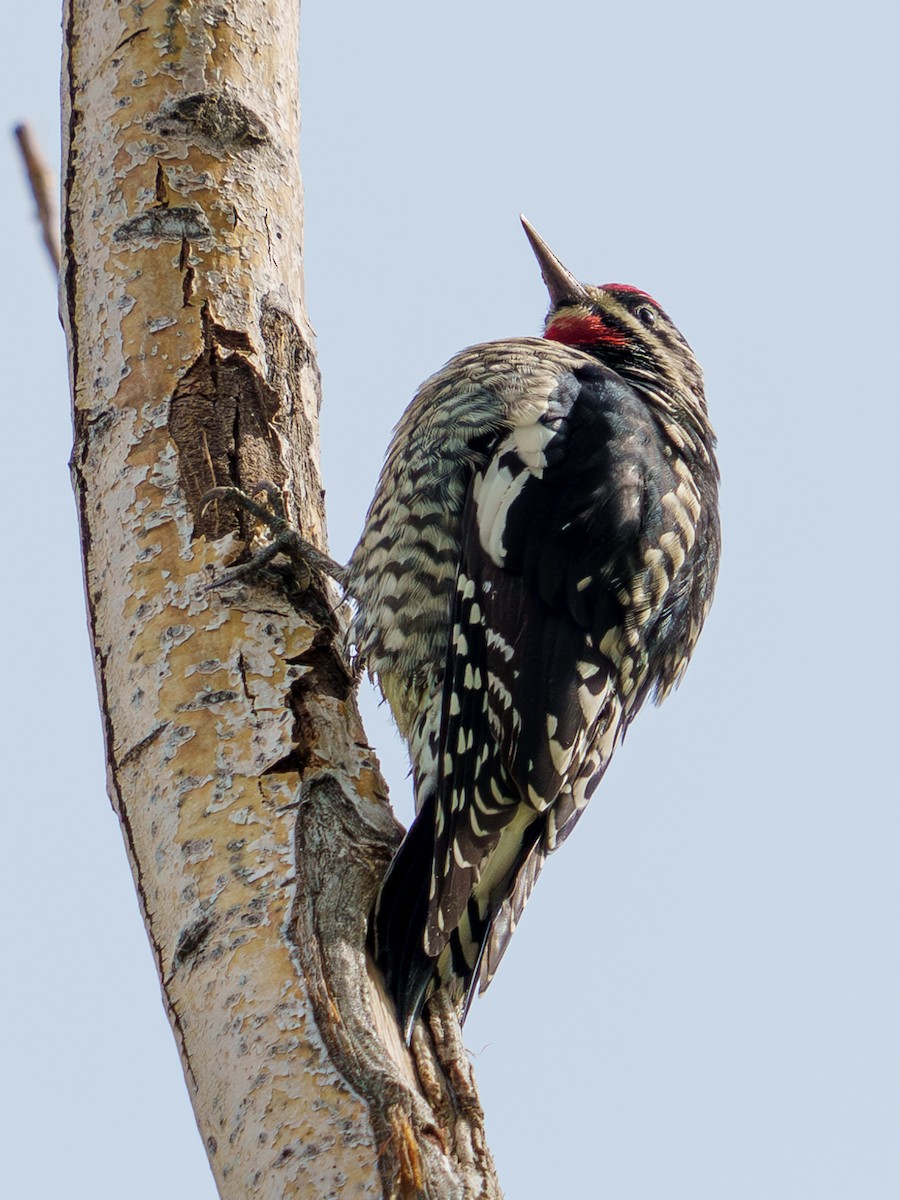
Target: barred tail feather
560, 820
506, 920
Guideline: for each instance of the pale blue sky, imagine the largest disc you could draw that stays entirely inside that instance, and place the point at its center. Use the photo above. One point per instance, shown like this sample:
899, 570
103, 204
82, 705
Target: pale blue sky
702, 1000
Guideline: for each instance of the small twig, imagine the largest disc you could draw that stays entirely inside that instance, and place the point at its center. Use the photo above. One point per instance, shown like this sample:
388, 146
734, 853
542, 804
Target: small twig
43, 187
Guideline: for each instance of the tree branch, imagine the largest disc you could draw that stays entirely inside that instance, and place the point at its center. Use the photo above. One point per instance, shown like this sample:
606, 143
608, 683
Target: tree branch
42, 182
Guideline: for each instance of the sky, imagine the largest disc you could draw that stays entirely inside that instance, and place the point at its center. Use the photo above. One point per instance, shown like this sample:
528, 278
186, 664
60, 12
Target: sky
702, 998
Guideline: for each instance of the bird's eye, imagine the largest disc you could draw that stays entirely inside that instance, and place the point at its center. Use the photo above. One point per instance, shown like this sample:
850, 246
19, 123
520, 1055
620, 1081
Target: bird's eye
646, 315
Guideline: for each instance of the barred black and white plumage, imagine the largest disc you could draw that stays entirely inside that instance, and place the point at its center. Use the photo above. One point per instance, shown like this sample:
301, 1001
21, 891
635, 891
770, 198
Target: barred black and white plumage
538, 560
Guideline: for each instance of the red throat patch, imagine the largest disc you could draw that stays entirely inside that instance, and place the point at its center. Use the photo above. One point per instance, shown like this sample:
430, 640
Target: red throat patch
587, 330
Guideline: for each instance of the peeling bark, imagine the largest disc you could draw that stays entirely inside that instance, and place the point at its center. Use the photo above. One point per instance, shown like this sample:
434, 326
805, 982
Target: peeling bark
253, 810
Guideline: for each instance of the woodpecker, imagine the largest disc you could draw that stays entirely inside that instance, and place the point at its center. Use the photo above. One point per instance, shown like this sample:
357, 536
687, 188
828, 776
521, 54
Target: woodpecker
538, 561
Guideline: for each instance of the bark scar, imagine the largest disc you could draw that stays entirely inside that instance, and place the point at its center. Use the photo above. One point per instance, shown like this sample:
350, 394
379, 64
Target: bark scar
221, 420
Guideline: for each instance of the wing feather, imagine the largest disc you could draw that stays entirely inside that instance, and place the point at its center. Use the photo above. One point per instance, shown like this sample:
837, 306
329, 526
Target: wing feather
563, 576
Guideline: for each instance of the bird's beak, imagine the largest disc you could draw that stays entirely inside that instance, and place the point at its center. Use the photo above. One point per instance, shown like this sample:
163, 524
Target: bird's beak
562, 285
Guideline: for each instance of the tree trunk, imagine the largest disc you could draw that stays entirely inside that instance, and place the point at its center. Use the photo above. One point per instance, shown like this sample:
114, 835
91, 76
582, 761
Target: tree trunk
253, 811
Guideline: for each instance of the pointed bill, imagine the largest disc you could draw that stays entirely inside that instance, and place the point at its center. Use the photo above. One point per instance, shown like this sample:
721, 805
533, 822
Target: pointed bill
562, 285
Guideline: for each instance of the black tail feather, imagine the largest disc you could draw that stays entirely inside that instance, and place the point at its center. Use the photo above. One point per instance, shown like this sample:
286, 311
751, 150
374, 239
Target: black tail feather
397, 927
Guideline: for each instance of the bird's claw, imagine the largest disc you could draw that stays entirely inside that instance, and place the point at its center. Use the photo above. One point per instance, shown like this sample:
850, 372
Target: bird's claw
272, 516
286, 540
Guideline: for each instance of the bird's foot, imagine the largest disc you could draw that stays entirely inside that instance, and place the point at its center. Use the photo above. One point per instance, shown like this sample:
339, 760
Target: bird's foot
285, 539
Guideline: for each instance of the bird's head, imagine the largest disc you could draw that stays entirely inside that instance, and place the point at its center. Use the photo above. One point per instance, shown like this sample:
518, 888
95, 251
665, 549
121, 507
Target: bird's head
626, 330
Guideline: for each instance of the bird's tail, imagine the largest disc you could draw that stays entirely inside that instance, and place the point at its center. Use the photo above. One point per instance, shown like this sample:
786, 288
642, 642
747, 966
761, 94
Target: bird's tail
397, 925
467, 955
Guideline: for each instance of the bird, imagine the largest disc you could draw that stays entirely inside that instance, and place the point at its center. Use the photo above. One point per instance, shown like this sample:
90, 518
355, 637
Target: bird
537, 562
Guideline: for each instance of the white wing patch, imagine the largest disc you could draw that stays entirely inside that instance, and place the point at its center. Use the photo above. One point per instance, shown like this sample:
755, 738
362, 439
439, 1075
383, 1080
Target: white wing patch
518, 457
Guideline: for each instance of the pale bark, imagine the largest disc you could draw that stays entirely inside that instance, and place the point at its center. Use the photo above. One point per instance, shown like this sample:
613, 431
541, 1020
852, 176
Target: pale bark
253, 811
